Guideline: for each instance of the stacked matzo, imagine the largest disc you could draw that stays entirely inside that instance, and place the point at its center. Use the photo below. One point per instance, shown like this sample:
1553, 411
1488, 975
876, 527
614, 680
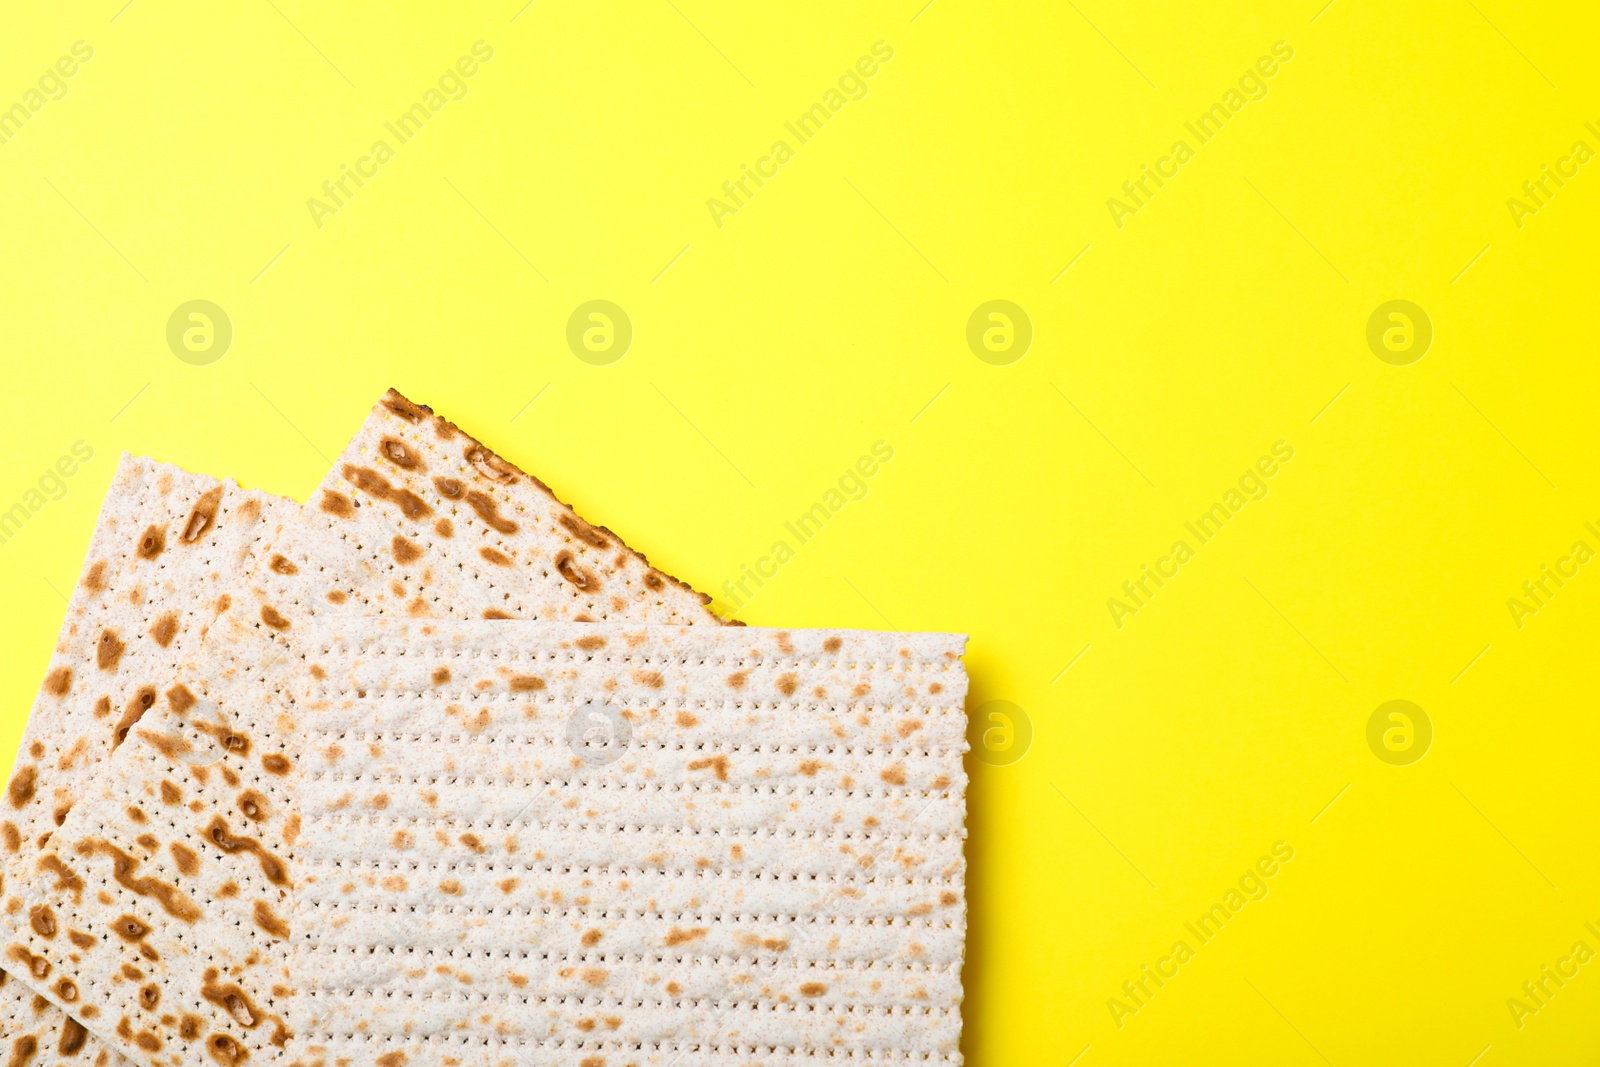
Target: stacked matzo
498, 544
171, 884
165, 544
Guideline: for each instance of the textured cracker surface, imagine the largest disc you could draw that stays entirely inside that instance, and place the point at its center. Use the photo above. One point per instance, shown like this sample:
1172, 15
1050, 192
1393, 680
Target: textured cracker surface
770, 869
165, 542
412, 488
207, 982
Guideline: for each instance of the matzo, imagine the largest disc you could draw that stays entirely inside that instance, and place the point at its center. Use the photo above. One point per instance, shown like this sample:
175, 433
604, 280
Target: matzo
201, 974
550, 844
413, 486
164, 541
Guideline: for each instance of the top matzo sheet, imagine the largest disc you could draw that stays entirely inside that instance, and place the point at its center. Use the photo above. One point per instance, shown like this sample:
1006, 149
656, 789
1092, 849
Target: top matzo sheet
526, 845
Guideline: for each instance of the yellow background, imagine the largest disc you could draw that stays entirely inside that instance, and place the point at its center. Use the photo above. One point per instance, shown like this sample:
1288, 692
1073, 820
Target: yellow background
827, 314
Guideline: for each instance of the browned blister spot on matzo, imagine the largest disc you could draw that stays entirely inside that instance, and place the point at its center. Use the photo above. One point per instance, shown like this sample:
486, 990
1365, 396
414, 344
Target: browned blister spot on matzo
337, 504
43, 920
395, 451
582, 530
405, 551
185, 857
411, 411
678, 936
217, 833
73, 1037
495, 556
165, 629
376, 485
272, 618
22, 786
582, 578
66, 879
142, 701
95, 580
253, 805
269, 920
485, 464
526, 683
123, 868
489, 511
58, 683
719, 764
180, 699
150, 543
202, 516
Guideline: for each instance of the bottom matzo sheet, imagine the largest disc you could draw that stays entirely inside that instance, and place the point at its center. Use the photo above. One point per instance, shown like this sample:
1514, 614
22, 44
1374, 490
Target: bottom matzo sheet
165, 544
529, 844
